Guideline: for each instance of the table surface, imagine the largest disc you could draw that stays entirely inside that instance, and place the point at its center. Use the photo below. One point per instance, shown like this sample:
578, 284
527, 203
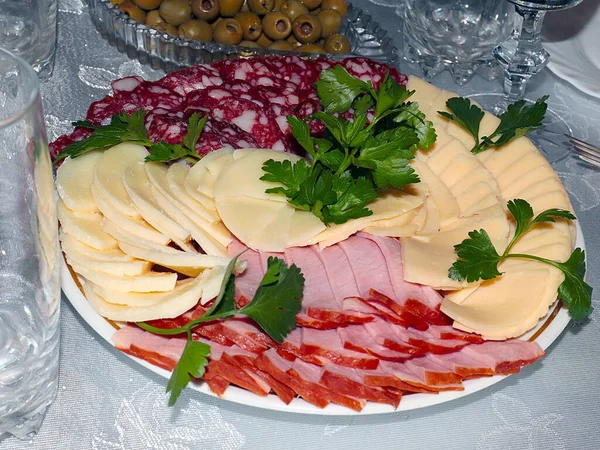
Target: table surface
106, 402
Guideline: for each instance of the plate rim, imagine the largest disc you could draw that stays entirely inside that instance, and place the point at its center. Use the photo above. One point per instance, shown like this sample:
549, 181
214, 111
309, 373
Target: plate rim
234, 394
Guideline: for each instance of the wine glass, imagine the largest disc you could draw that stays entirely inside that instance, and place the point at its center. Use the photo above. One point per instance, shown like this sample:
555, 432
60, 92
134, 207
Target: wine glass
522, 56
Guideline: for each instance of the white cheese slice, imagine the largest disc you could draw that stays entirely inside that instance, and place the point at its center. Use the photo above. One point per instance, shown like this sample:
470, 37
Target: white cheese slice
148, 282
178, 259
242, 176
89, 232
172, 304
109, 174
274, 236
403, 225
121, 235
432, 221
304, 226
176, 175
73, 180
138, 187
70, 244
118, 268
211, 283
132, 225
207, 169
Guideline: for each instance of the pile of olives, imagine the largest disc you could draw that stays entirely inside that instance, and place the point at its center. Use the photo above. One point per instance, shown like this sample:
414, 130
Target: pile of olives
304, 25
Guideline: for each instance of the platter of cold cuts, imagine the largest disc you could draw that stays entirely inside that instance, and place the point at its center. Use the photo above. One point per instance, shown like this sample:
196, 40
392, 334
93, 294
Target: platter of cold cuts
315, 236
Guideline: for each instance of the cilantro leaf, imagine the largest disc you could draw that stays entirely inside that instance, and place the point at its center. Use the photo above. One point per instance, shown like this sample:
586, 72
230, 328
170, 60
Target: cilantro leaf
551, 214
291, 176
464, 114
410, 116
315, 192
477, 259
277, 299
301, 131
522, 213
224, 302
192, 363
163, 152
362, 105
337, 89
352, 196
575, 293
390, 95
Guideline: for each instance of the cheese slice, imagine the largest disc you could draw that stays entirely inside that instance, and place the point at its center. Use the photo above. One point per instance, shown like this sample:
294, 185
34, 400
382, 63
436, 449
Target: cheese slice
121, 235
476, 198
274, 236
403, 225
147, 282
176, 259
445, 202
70, 244
176, 175
108, 176
443, 157
134, 226
161, 306
432, 221
211, 283
207, 168
304, 226
425, 93
439, 104
73, 180
119, 268
549, 183
138, 187
89, 232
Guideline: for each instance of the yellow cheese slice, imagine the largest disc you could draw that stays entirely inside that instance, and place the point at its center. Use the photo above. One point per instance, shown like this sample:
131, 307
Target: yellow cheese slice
442, 139
550, 182
119, 268
73, 180
442, 158
439, 104
425, 93
479, 175
403, 225
207, 169
447, 206
432, 221
211, 283
242, 176
476, 198
176, 175
529, 162
121, 235
89, 232
108, 176
304, 226
138, 187
70, 244
148, 282
274, 236
172, 304
175, 259
134, 226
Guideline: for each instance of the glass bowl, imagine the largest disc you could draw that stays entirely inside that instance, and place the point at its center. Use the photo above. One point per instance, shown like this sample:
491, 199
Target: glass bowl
167, 52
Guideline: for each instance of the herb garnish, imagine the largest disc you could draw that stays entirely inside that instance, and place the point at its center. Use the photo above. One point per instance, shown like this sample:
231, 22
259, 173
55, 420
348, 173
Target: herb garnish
478, 259
131, 128
354, 159
273, 308
518, 120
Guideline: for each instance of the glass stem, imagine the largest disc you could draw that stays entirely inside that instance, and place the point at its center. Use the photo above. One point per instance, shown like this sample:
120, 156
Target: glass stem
522, 55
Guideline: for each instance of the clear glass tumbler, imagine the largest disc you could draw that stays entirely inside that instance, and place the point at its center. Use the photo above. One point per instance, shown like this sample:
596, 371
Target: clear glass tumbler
456, 35
29, 255
28, 29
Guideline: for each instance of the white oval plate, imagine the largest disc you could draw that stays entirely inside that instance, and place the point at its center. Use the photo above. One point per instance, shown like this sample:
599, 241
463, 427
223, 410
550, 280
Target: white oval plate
577, 59
550, 326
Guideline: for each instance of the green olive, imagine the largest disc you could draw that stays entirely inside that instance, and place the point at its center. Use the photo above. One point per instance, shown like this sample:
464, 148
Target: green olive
331, 21
148, 4
261, 7
264, 41
281, 45
310, 48
214, 24
337, 44
294, 8
165, 27
153, 18
175, 12
307, 28
230, 8
276, 25
312, 4
198, 30
315, 12
133, 11
228, 31
117, 2
339, 5
206, 9
250, 44
251, 25
292, 40
278, 5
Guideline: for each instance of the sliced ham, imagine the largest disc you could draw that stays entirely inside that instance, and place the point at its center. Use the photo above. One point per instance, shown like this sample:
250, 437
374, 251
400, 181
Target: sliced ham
505, 357
327, 344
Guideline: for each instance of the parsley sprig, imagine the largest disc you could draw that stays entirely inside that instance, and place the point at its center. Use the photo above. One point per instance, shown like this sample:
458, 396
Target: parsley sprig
355, 158
131, 128
478, 259
274, 308
518, 120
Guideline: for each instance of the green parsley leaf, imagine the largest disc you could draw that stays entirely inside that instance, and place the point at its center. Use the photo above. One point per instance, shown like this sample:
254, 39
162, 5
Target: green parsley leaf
338, 89
291, 176
575, 293
551, 214
351, 197
464, 114
410, 116
277, 299
163, 152
225, 302
362, 105
301, 131
390, 95
315, 192
192, 363
477, 259
194, 130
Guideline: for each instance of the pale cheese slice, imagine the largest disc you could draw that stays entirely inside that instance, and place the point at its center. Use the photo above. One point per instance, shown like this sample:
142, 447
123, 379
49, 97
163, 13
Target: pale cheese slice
171, 259
70, 244
446, 203
425, 93
479, 175
138, 187
148, 282
508, 155
550, 183
477, 198
442, 158
529, 162
109, 174
211, 283
121, 235
89, 232
119, 268
176, 175
274, 236
172, 304
242, 176
432, 221
304, 226
404, 225
208, 168
73, 180
132, 225
439, 104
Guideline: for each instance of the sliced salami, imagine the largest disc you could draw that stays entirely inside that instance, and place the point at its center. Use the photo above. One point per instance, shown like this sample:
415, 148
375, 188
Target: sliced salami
191, 79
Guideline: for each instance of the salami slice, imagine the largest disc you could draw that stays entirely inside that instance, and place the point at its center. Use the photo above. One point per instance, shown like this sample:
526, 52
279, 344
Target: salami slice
372, 71
170, 129
191, 79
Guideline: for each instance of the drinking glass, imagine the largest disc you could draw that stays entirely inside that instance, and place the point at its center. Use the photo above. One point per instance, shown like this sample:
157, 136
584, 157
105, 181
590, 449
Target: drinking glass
28, 29
29, 255
458, 35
